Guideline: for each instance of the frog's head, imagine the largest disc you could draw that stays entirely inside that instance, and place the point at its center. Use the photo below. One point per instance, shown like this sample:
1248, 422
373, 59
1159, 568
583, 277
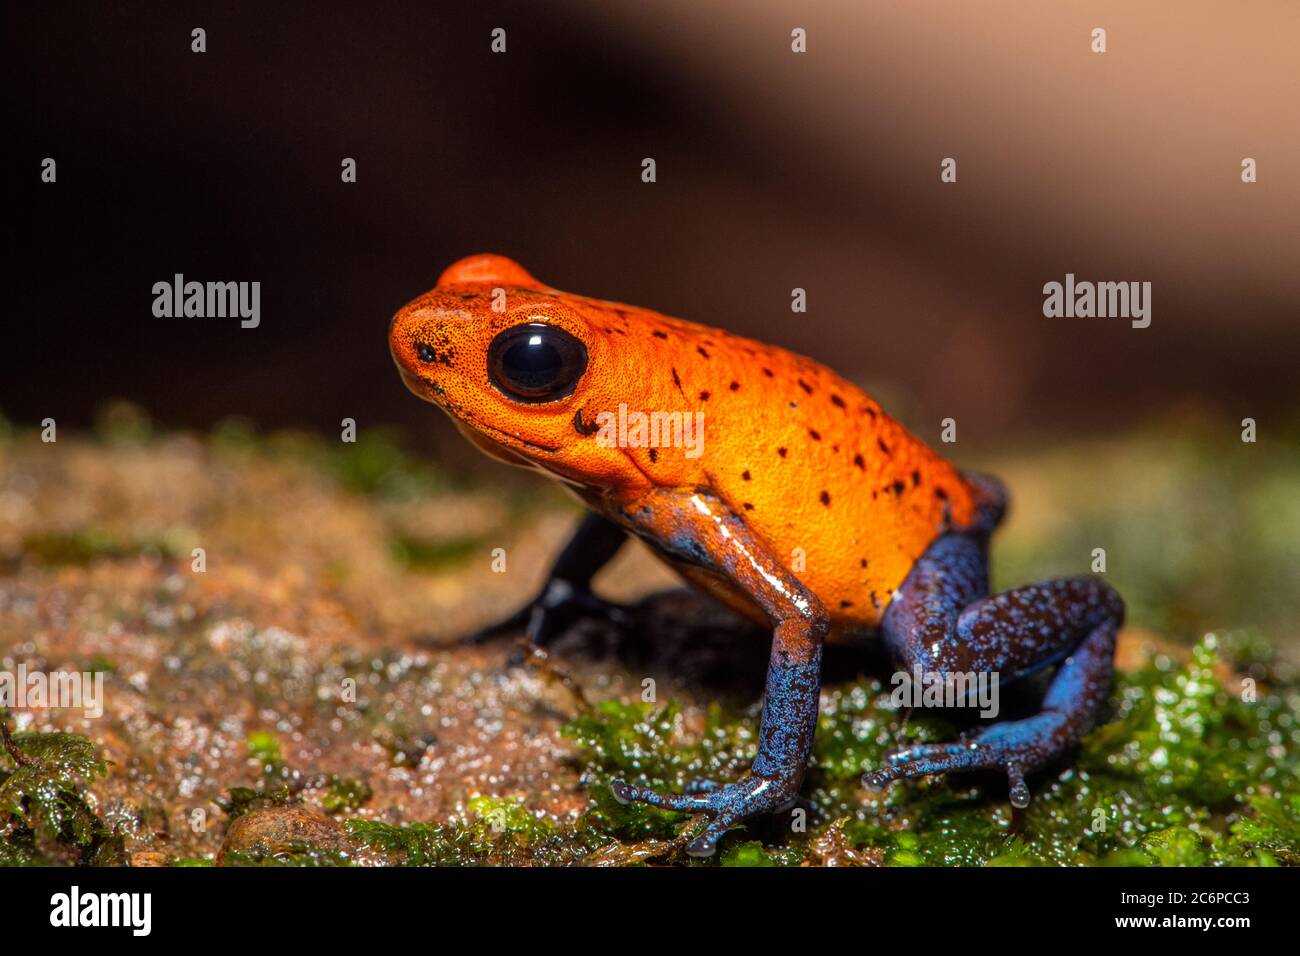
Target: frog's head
519, 367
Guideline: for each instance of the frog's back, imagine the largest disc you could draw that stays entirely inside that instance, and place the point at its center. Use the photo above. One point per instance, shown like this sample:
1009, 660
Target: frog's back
839, 490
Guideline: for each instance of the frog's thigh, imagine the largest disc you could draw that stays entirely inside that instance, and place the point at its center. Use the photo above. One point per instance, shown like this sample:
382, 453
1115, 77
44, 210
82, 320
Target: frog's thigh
942, 620
920, 624
938, 622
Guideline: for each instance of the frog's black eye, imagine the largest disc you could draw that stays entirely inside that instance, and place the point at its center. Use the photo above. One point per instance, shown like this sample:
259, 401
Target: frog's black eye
426, 352
536, 362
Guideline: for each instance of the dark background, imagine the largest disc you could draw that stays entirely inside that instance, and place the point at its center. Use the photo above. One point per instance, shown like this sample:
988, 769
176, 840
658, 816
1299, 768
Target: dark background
774, 171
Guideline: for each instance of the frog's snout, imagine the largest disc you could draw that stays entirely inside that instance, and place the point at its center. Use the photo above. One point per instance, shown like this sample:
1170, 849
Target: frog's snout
419, 385
416, 379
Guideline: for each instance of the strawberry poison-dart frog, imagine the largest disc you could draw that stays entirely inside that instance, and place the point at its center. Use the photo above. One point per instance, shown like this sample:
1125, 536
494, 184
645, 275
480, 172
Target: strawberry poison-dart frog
795, 500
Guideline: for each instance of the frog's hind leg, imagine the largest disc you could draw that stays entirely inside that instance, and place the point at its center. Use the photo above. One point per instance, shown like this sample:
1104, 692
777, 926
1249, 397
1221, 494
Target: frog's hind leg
941, 623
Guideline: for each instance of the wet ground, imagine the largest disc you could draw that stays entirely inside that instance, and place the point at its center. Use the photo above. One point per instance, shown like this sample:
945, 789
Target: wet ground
306, 689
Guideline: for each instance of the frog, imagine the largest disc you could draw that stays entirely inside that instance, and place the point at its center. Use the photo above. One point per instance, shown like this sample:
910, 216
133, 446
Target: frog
800, 504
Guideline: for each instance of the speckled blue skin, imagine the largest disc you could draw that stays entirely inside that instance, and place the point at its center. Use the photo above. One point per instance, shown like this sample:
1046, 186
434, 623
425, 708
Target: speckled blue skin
940, 619
942, 622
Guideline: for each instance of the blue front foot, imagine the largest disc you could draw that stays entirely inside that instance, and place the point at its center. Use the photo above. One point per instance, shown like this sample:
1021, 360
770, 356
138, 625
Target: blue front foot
726, 804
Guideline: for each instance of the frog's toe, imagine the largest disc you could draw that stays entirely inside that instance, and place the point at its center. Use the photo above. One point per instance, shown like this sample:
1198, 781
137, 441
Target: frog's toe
727, 804
921, 760
626, 793
702, 785
1019, 789
706, 843
736, 802
926, 759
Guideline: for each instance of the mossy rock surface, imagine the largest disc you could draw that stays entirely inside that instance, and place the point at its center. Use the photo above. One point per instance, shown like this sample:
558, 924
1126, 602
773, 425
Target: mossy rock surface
310, 673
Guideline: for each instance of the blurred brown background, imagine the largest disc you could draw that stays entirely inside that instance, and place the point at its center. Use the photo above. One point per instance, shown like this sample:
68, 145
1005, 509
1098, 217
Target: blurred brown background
775, 170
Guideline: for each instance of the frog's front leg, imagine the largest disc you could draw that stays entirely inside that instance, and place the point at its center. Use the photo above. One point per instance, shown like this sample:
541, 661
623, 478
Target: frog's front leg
696, 527
567, 596
941, 622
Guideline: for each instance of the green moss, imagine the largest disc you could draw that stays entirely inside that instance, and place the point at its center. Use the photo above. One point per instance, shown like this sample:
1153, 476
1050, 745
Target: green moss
753, 853
1179, 733
100, 665
344, 794
234, 434
1184, 773
240, 800
424, 554
265, 749
378, 464
1270, 834
1176, 846
295, 853
414, 844
474, 844
44, 806
509, 816
123, 423
375, 464
84, 547
642, 744
500, 832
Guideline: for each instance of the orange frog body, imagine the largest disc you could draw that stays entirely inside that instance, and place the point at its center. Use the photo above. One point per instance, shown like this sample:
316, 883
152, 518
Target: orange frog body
763, 477
819, 473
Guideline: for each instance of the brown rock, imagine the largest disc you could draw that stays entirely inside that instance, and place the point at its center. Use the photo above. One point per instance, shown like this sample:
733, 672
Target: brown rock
833, 848
272, 831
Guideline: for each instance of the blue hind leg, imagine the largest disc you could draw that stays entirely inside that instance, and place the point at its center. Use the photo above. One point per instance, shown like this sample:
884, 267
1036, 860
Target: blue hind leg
940, 622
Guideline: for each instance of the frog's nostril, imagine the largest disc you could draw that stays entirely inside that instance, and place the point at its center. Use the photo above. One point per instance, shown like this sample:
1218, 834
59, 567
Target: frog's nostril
426, 352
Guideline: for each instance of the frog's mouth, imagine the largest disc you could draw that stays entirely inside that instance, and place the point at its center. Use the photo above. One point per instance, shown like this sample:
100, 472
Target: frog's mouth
419, 387
491, 447
474, 431
491, 441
